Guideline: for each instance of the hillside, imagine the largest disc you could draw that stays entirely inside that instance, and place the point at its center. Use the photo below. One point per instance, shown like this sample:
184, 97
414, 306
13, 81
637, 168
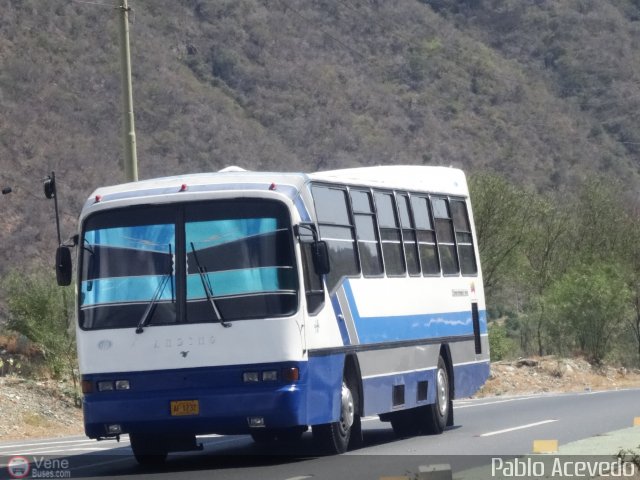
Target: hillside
540, 91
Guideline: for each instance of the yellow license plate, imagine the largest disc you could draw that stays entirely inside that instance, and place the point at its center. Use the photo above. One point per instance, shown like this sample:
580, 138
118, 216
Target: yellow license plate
181, 408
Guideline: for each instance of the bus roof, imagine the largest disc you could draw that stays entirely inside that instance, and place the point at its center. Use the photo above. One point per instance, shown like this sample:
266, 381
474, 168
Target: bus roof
202, 179
402, 177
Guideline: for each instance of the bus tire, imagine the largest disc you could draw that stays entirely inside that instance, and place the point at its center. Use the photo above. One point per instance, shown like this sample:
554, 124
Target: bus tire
148, 451
433, 418
333, 438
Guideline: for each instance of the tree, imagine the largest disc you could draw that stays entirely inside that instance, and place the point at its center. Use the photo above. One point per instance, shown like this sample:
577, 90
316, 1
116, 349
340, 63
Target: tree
632, 262
590, 304
545, 251
502, 216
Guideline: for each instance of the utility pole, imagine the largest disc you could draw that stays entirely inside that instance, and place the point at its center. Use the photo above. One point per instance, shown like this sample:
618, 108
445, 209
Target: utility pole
130, 155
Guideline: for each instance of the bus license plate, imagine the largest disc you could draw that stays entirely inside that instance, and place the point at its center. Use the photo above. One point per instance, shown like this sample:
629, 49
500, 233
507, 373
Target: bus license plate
181, 408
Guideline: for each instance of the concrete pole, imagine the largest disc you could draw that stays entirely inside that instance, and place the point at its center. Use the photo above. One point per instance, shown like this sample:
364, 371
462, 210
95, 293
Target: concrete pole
130, 155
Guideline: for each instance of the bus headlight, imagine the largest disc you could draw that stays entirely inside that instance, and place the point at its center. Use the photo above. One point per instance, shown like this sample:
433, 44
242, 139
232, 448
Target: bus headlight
123, 385
270, 376
105, 386
250, 377
109, 386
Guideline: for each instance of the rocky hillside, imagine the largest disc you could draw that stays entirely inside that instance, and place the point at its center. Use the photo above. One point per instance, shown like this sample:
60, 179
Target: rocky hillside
540, 91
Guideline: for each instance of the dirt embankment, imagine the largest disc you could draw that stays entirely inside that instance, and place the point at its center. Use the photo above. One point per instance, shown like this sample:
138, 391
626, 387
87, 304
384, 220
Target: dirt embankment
551, 374
37, 409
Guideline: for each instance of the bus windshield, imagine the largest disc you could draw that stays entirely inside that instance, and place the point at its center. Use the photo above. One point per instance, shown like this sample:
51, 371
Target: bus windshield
214, 261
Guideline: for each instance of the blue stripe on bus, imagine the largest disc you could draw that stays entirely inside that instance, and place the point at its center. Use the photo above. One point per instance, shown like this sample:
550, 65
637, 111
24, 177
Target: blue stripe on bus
335, 303
469, 378
411, 327
324, 388
225, 401
378, 391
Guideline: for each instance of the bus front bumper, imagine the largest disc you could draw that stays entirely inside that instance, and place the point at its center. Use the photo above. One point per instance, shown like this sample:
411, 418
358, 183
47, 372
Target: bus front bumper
194, 405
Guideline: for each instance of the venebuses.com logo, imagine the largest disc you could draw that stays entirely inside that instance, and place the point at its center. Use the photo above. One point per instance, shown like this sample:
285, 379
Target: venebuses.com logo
39, 467
18, 467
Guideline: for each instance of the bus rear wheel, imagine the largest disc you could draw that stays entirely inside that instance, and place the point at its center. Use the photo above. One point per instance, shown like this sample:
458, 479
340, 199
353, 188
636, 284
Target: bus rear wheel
432, 419
334, 437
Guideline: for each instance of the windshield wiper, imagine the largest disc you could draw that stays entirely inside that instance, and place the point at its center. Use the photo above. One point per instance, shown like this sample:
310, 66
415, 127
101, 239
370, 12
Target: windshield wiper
148, 313
208, 290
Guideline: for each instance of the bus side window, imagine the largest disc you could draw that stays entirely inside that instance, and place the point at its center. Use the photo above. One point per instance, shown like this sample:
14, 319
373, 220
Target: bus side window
445, 236
337, 230
367, 233
409, 236
464, 238
392, 251
426, 236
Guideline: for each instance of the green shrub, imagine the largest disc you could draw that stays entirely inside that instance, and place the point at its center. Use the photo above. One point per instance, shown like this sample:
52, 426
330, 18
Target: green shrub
500, 344
40, 310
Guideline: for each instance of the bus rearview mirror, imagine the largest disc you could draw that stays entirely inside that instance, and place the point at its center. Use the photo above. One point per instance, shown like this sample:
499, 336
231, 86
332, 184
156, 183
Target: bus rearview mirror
321, 257
63, 266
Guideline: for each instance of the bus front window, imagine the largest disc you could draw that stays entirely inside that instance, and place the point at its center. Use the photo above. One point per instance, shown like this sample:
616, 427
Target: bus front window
128, 262
214, 261
240, 262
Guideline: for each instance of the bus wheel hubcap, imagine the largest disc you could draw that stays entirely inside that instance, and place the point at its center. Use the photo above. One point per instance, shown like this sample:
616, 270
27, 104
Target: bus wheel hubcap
443, 392
347, 410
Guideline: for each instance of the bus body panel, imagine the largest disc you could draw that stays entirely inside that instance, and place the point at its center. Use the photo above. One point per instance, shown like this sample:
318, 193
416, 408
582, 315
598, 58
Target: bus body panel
224, 402
398, 344
395, 328
191, 345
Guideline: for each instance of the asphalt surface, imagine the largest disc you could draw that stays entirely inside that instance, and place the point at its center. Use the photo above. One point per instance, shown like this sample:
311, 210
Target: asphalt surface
484, 429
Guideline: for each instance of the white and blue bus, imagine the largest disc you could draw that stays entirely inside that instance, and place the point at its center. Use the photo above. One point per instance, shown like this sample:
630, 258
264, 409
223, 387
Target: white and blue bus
261, 303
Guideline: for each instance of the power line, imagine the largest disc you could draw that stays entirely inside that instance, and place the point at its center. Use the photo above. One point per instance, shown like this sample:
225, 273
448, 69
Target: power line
94, 3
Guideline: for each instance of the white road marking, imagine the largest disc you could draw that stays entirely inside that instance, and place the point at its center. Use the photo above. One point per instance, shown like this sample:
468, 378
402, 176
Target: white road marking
48, 450
521, 427
494, 402
39, 444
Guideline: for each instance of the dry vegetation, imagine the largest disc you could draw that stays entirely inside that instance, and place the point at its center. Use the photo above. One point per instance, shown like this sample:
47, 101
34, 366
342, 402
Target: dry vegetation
539, 91
37, 409
553, 374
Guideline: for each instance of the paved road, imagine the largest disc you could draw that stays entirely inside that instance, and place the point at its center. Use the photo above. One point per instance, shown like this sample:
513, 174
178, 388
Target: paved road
484, 428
